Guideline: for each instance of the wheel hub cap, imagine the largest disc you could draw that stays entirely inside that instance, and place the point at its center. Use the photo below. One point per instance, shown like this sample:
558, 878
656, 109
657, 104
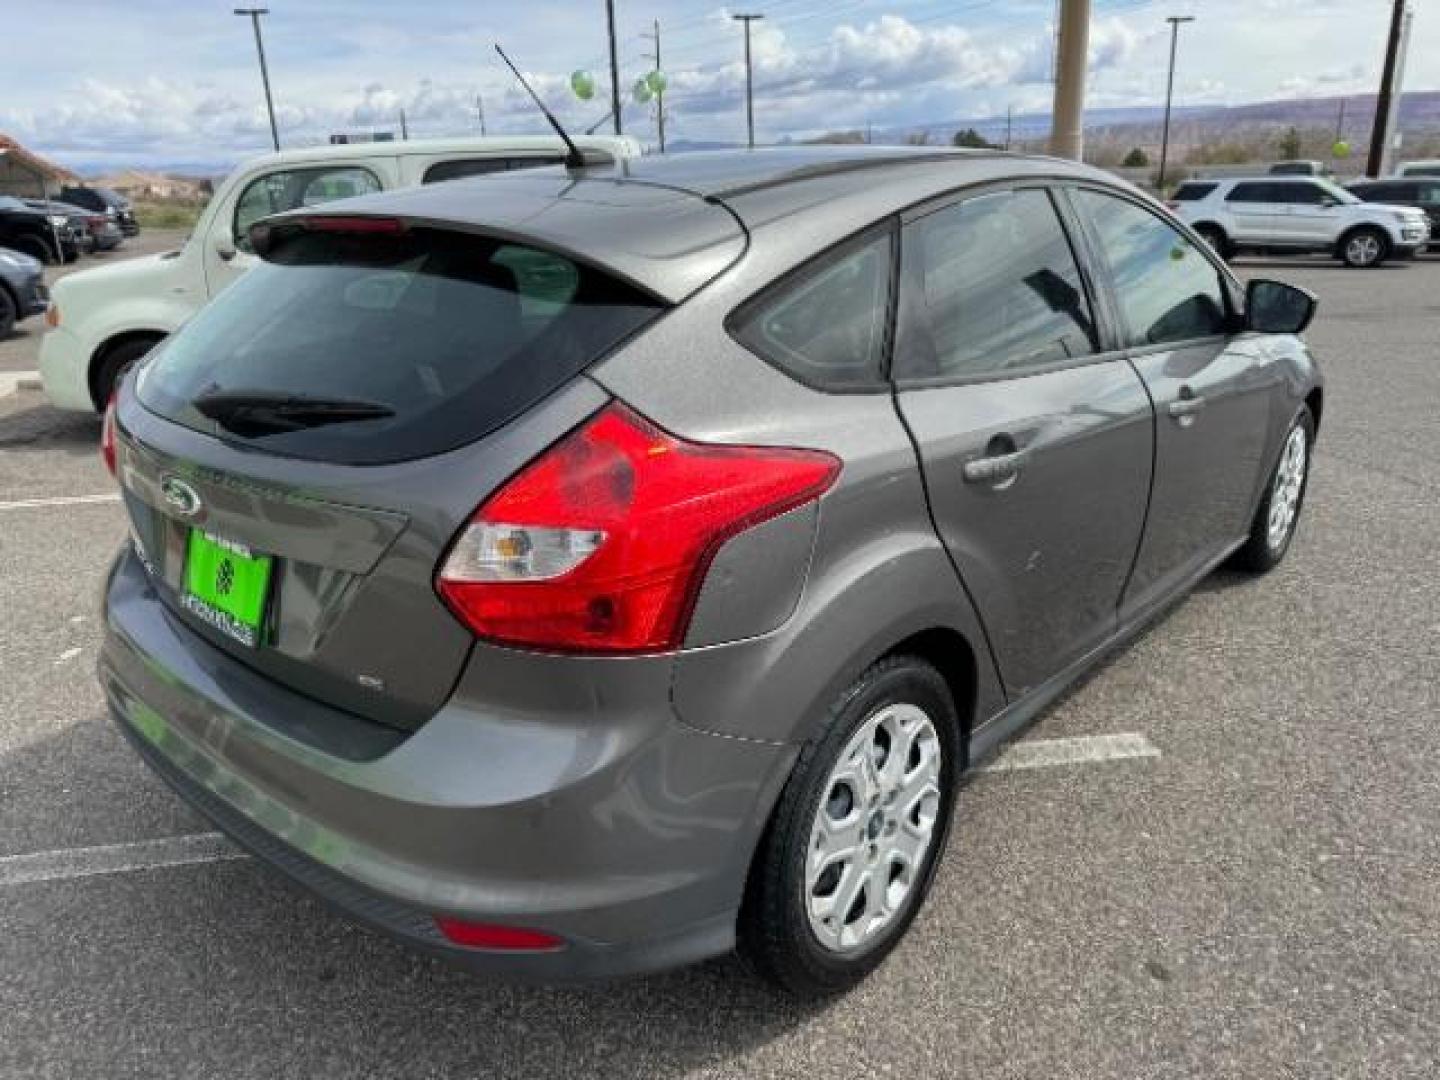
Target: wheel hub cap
874, 828
1289, 483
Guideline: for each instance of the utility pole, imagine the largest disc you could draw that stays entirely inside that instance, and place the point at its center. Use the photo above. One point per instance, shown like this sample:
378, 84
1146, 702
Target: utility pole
1380, 136
614, 67
1067, 136
1009, 124
659, 94
404, 128
254, 14
749, 80
1175, 21
480, 109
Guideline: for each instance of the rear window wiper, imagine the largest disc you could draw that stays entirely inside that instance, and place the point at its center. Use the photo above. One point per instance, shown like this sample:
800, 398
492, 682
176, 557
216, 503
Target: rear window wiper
260, 412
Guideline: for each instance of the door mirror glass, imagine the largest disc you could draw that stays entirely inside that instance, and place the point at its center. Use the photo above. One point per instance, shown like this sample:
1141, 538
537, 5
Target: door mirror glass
1272, 307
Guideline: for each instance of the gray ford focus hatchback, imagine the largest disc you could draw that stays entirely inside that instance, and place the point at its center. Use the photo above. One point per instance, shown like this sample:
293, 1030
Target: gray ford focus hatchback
585, 572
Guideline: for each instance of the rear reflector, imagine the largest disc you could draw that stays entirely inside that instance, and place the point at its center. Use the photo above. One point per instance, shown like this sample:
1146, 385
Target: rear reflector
107, 434
600, 545
475, 935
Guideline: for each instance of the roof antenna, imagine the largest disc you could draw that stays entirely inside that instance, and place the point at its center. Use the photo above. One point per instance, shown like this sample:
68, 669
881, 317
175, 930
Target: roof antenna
574, 159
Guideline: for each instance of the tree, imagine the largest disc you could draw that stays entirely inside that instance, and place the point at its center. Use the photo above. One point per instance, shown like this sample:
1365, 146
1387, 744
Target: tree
973, 140
1289, 143
1136, 159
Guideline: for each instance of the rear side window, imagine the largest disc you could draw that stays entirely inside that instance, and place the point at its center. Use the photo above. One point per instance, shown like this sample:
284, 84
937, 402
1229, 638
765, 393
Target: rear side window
1168, 291
1191, 191
372, 348
456, 170
1253, 193
999, 286
277, 192
825, 326
1301, 194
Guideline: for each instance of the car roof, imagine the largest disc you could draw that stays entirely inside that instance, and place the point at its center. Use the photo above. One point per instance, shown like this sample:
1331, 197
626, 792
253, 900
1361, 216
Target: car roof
479, 144
671, 223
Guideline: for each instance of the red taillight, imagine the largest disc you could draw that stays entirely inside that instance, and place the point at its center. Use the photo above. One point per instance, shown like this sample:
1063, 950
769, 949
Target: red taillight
489, 936
107, 434
353, 224
601, 543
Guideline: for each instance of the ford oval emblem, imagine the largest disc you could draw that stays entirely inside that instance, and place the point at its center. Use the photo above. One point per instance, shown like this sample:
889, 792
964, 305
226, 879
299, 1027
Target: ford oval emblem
180, 495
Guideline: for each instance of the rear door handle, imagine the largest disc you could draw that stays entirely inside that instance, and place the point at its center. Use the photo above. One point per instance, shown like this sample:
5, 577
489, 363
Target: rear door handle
997, 469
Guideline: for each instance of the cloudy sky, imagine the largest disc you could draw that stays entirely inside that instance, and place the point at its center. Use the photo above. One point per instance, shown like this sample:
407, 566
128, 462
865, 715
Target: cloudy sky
98, 82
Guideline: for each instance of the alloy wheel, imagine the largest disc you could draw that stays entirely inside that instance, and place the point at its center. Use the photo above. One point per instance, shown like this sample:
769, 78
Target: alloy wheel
1289, 483
874, 828
1363, 250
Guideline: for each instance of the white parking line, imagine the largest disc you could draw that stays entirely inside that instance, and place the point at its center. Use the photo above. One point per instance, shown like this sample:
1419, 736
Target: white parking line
61, 500
116, 858
1084, 750
67, 655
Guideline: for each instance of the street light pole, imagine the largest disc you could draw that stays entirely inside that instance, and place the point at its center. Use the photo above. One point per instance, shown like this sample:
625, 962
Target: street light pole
254, 14
1067, 137
614, 66
1175, 22
749, 80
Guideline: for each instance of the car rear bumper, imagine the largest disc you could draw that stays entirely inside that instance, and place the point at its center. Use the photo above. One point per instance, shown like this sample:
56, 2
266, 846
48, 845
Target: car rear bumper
625, 834
65, 370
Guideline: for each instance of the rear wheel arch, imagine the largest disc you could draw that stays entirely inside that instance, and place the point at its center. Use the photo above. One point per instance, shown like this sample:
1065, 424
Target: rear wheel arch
102, 362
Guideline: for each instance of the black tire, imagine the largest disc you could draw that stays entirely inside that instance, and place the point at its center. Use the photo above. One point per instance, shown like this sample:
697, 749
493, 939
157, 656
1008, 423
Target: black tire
1216, 238
8, 312
1350, 252
113, 364
774, 931
36, 248
1261, 552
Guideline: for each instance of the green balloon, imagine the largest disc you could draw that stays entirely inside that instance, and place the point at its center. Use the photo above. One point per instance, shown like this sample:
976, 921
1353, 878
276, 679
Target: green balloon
1341, 149
642, 92
657, 82
583, 83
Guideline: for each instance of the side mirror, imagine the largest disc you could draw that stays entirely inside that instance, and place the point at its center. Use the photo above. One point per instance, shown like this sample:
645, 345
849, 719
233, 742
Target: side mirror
1272, 307
224, 245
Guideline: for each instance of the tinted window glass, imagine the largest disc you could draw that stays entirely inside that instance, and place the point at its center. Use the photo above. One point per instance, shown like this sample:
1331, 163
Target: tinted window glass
1168, 290
1191, 191
1427, 193
1302, 194
279, 191
448, 335
455, 170
827, 325
1000, 288
1253, 192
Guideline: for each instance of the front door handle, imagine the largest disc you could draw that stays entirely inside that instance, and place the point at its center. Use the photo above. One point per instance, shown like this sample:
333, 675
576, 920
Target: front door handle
997, 469
1186, 405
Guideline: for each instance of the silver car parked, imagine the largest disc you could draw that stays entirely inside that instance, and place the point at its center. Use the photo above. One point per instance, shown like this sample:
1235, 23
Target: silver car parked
587, 572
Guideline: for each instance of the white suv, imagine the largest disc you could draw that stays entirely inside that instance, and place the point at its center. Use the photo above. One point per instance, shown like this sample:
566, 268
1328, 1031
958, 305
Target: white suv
1298, 213
103, 320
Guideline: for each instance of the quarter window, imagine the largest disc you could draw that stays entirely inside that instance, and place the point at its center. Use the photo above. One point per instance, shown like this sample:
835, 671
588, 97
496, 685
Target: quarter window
276, 192
826, 327
999, 289
1167, 289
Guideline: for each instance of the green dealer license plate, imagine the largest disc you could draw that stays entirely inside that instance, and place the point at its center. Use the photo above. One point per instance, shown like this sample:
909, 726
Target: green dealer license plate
226, 584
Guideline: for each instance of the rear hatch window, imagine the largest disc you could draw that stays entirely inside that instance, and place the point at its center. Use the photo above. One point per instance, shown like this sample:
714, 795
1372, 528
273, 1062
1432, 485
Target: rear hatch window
375, 347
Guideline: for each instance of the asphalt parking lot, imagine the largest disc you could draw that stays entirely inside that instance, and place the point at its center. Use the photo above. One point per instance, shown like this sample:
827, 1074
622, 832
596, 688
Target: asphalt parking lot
1260, 898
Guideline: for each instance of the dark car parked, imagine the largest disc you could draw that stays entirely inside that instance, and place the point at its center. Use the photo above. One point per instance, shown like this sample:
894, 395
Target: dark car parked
103, 200
100, 233
1417, 191
579, 572
49, 237
22, 288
